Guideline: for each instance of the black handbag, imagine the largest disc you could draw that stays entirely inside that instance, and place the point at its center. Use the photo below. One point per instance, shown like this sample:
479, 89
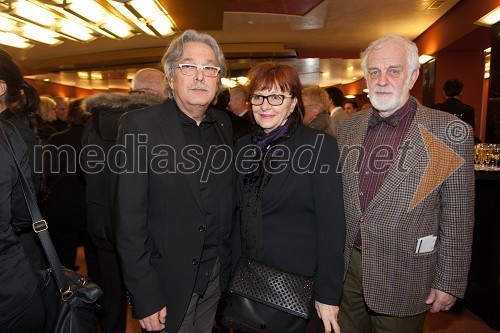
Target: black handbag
264, 298
70, 299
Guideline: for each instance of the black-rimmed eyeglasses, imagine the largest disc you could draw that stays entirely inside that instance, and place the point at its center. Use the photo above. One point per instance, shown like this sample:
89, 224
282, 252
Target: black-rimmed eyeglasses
190, 70
274, 99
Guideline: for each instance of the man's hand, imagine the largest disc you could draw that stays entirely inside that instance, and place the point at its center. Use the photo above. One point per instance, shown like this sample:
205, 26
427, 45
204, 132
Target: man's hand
155, 322
329, 315
440, 300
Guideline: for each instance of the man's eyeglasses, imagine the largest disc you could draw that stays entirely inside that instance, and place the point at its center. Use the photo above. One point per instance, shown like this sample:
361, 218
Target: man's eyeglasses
274, 99
190, 70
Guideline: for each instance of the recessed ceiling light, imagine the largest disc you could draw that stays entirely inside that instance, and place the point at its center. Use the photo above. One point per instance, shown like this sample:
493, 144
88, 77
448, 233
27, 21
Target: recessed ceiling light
436, 4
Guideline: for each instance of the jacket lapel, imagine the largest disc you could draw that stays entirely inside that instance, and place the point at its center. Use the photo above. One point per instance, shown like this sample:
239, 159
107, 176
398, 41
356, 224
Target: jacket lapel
406, 160
351, 172
170, 128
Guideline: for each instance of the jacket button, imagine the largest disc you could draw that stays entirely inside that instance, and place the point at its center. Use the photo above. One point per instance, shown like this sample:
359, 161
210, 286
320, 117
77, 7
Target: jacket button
202, 228
195, 262
361, 219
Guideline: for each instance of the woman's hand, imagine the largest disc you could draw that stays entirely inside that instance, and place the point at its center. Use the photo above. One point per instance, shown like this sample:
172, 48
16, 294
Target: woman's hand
329, 315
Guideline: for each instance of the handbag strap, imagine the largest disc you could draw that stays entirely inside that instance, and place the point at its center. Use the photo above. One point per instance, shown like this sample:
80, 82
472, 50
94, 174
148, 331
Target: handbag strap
39, 224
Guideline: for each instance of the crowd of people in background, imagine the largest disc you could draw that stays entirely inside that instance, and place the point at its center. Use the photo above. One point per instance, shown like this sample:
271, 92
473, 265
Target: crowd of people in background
165, 239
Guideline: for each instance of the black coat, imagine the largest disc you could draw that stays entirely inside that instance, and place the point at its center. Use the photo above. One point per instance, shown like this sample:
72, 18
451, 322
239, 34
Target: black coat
159, 213
302, 212
66, 209
17, 281
101, 131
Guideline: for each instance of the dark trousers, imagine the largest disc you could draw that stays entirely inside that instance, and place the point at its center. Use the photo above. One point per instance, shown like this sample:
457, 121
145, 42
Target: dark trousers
356, 317
31, 319
113, 316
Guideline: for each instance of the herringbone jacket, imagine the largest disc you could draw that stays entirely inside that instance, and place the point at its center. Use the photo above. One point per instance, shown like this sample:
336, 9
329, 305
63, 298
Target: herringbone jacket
429, 190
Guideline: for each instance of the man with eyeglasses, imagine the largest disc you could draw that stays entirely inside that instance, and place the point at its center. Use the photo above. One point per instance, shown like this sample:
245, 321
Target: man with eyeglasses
408, 178
173, 211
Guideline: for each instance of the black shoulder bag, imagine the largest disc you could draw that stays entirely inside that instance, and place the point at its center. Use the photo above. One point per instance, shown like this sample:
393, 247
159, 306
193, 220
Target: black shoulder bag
70, 299
264, 298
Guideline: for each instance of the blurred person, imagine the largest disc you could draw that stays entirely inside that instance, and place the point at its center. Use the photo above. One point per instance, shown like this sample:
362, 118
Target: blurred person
238, 102
47, 109
47, 113
159, 212
316, 103
409, 197
336, 111
452, 90
149, 80
60, 124
101, 131
241, 125
64, 183
21, 304
350, 107
302, 232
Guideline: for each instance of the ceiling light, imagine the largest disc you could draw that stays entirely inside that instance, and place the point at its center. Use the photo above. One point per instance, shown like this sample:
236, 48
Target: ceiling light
10, 39
83, 20
350, 96
83, 75
490, 18
6, 24
77, 31
116, 27
41, 35
147, 15
242, 80
33, 13
366, 90
96, 76
436, 4
87, 10
424, 58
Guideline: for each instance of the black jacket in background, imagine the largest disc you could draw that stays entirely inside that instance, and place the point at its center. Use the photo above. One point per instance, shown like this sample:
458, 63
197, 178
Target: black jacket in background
459, 109
102, 130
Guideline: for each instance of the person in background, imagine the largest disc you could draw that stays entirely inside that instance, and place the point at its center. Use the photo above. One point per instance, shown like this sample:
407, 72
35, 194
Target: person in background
316, 103
60, 124
300, 212
336, 111
452, 90
408, 178
64, 183
149, 81
102, 131
350, 107
173, 219
21, 304
241, 125
47, 113
238, 102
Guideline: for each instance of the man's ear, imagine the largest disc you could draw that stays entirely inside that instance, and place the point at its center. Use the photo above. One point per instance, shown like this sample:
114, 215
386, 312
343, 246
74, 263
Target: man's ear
414, 77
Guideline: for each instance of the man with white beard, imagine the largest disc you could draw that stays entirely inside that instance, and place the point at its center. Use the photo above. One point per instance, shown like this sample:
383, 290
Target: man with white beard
408, 179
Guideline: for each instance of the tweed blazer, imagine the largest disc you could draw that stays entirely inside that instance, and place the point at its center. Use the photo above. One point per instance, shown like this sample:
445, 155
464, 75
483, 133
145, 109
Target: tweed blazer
429, 190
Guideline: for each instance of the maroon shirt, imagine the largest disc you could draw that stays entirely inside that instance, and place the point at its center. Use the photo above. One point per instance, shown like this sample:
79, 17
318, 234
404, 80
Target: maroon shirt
381, 147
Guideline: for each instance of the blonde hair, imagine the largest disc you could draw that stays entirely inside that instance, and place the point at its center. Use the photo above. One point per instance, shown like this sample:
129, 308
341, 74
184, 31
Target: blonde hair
46, 105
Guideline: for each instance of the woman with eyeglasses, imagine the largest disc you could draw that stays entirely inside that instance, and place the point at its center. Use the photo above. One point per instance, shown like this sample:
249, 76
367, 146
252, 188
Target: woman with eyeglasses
289, 192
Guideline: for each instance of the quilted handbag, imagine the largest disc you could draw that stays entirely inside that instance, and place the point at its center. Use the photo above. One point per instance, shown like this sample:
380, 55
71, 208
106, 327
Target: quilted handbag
264, 298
